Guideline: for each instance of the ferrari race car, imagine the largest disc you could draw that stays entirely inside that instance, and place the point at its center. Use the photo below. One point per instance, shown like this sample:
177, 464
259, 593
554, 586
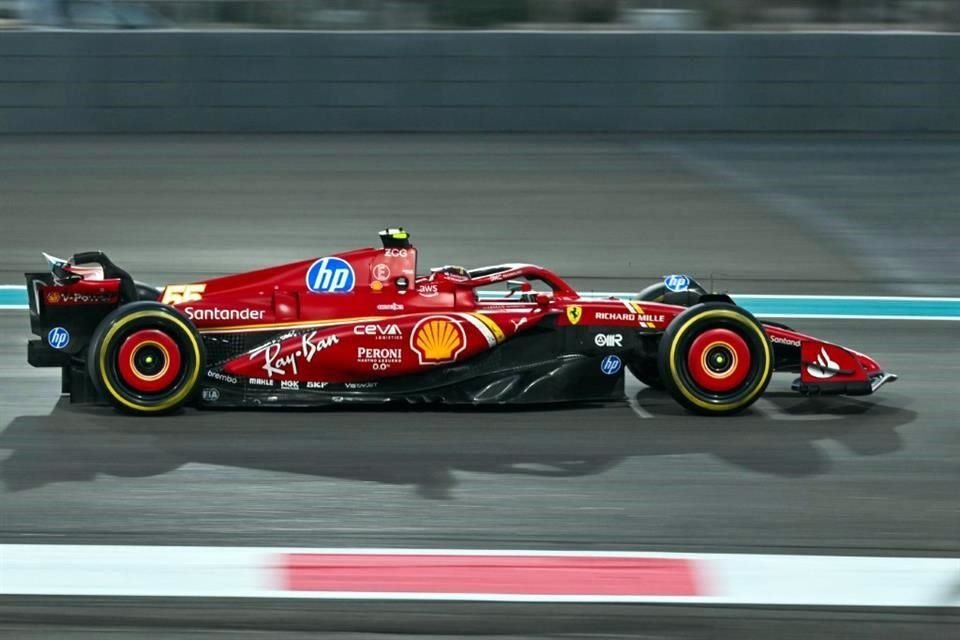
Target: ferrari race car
364, 327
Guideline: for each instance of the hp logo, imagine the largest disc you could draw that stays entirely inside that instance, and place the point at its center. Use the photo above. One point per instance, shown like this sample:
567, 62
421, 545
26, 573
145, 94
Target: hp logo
330, 275
58, 338
611, 365
677, 283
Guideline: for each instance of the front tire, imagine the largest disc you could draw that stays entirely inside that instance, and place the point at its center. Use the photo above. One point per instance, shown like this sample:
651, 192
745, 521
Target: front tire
146, 358
715, 359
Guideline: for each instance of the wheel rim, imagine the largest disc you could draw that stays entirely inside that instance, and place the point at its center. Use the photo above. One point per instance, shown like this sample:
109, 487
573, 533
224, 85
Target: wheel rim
680, 371
149, 361
718, 360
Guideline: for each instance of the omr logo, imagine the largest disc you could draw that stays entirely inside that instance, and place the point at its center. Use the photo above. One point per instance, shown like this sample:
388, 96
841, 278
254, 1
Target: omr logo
330, 275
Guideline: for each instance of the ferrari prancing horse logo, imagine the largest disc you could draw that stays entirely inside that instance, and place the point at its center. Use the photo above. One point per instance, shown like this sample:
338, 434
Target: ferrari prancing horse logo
574, 313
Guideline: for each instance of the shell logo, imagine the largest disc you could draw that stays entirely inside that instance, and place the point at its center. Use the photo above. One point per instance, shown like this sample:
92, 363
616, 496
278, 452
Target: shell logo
53, 297
438, 340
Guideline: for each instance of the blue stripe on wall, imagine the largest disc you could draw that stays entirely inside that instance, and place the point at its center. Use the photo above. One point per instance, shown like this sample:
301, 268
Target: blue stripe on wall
15, 297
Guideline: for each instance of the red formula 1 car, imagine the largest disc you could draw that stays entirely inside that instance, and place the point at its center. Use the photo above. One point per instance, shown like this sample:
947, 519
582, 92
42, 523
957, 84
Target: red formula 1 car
362, 326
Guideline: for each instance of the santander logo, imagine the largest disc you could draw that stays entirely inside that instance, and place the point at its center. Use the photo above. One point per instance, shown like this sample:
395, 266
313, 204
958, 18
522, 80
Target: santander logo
825, 367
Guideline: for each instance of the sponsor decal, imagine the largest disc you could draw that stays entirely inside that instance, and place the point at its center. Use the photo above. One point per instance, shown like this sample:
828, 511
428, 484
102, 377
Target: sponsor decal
395, 253
224, 314
611, 365
608, 340
824, 367
380, 358
275, 364
627, 317
209, 394
786, 341
393, 306
428, 290
360, 385
618, 317
376, 286
261, 382
58, 298
58, 338
454, 272
291, 385
677, 283
518, 323
222, 377
179, 293
438, 340
381, 272
574, 313
380, 331
330, 275
317, 385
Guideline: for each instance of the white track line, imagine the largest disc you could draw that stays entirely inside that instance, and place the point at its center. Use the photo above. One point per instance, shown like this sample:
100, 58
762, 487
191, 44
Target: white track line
259, 572
631, 387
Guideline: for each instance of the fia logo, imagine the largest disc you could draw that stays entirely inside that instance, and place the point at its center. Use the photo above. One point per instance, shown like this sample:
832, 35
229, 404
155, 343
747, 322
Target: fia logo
58, 338
677, 283
330, 275
611, 365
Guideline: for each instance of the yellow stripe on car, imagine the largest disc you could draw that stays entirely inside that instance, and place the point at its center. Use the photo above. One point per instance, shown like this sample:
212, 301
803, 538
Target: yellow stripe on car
492, 325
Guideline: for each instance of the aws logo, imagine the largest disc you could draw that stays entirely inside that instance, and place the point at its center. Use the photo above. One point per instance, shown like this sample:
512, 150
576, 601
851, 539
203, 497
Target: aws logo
438, 340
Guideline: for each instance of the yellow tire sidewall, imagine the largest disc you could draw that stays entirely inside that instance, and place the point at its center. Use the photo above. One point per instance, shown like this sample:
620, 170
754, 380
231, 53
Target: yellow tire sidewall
741, 320
172, 401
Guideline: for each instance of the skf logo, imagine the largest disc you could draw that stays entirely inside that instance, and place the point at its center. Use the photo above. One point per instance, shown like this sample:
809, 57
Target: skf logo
574, 313
438, 340
179, 293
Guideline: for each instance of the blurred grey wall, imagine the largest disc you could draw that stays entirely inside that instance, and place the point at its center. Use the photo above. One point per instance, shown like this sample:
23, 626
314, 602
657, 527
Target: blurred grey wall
493, 81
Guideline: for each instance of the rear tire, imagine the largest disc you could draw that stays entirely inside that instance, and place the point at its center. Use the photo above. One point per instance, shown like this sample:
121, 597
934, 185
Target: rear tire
715, 359
146, 358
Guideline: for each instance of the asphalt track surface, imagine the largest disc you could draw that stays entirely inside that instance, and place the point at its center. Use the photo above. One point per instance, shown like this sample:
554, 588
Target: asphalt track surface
869, 476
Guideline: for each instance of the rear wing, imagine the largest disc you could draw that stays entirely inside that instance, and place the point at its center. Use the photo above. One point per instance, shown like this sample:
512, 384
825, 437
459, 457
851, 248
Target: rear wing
69, 300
